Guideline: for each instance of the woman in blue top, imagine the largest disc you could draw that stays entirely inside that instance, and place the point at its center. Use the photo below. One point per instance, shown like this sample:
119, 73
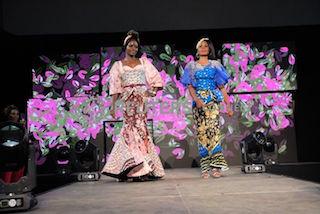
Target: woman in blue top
205, 79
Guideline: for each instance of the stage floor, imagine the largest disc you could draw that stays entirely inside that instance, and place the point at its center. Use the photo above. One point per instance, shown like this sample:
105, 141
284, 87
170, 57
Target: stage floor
183, 191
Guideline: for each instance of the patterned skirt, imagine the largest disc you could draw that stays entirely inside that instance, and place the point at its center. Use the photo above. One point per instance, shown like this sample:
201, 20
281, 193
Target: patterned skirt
209, 137
134, 154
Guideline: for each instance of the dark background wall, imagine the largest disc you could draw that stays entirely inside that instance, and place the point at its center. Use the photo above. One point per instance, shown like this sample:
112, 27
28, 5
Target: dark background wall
30, 28
94, 16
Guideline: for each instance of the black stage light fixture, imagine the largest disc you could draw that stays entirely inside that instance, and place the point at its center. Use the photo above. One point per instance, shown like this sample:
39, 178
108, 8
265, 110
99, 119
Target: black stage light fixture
13, 148
86, 161
270, 151
257, 151
16, 155
63, 160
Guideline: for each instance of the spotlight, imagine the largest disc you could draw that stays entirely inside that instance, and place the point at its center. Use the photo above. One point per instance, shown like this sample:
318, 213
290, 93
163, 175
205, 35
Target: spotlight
16, 202
17, 166
257, 150
270, 152
13, 149
86, 161
62, 155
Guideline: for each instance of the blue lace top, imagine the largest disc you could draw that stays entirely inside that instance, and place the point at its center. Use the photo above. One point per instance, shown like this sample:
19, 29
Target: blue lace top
206, 80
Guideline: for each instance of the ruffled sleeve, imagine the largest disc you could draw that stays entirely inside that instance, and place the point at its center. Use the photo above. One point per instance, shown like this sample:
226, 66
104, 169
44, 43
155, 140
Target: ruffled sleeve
221, 76
152, 74
186, 77
115, 86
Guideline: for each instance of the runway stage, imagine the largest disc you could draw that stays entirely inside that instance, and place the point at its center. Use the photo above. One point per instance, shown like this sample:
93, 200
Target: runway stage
183, 191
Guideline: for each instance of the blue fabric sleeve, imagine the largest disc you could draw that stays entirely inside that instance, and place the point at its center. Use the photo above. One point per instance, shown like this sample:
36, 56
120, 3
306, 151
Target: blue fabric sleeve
186, 77
221, 77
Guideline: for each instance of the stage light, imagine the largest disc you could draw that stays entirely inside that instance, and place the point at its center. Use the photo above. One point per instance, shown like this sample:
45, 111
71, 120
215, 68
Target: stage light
17, 155
13, 149
257, 150
86, 161
62, 155
270, 152
251, 148
17, 202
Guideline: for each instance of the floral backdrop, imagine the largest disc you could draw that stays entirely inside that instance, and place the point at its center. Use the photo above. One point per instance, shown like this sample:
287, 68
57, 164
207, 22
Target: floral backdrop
71, 102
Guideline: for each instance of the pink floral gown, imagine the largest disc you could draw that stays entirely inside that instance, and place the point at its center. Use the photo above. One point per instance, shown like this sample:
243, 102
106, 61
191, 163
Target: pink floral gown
133, 154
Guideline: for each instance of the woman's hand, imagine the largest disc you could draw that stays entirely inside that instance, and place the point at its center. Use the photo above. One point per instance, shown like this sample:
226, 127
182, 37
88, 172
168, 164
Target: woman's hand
112, 113
151, 92
229, 111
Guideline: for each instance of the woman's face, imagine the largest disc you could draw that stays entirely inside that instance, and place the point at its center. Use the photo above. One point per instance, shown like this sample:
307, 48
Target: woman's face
14, 115
132, 48
203, 49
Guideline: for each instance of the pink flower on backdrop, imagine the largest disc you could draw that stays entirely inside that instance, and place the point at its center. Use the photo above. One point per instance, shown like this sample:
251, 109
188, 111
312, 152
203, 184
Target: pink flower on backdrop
67, 93
243, 87
104, 94
257, 71
251, 55
292, 59
244, 63
165, 77
165, 131
82, 74
94, 129
108, 129
174, 61
115, 138
144, 55
178, 153
92, 84
180, 87
105, 66
259, 87
105, 79
36, 136
50, 117
227, 45
39, 96
69, 75
157, 150
94, 78
264, 100
237, 46
261, 114
82, 134
106, 102
86, 87
180, 124
189, 58
49, 74
52, 134
53, 143
271, 84
282, 100
35, 78
284, 49
246, 97
75, 83
277, 119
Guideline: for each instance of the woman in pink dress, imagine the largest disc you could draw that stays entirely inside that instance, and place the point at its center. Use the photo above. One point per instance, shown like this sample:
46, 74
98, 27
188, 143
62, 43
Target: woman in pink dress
133, 80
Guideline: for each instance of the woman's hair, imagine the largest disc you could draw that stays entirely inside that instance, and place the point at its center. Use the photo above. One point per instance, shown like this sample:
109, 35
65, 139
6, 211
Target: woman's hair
132, 35
7, 110
212, 54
